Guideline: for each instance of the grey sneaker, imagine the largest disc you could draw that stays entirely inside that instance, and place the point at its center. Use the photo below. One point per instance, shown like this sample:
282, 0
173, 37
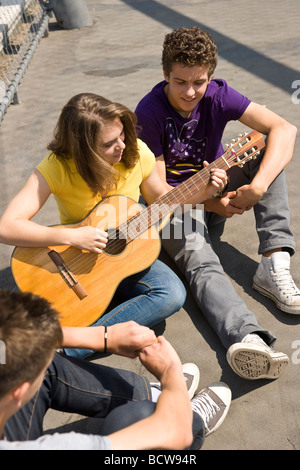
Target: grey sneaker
253, 359
212, 404
273, 280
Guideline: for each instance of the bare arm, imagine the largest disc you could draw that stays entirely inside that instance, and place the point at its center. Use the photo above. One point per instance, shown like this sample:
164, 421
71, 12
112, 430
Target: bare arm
124, 339
280, 145
170, 426
17, 228
16, 225
278, 153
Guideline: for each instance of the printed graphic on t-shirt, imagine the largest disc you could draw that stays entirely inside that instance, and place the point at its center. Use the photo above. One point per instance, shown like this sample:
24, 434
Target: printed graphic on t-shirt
185, 154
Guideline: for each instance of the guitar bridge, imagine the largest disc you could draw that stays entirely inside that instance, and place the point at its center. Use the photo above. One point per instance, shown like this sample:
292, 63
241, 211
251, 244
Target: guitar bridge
67, 275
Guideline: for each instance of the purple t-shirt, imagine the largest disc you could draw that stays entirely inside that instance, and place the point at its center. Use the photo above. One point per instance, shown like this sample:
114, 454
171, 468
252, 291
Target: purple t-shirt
186, 142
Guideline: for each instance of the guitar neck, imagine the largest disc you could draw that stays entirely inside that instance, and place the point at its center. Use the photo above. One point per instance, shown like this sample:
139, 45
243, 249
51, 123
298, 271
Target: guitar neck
181, 193
245, 149
166, 204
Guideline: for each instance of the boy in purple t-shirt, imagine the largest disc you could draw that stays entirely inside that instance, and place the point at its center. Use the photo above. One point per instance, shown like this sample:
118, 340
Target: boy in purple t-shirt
182, 120
183, 141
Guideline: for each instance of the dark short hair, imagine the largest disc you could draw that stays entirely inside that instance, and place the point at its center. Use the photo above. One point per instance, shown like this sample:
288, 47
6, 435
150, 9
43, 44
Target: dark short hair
30, 332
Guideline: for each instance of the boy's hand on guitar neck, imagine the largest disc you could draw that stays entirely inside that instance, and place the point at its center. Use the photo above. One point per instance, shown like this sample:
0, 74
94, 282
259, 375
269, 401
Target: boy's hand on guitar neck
218, 180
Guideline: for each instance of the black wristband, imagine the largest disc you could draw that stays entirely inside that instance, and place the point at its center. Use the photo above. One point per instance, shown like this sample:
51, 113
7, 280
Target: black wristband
105, 339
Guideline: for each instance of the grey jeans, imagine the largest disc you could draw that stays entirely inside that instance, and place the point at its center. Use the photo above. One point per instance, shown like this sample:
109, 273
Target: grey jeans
187, 241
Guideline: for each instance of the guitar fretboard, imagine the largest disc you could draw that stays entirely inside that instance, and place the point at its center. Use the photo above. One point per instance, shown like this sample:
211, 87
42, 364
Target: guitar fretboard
179, 195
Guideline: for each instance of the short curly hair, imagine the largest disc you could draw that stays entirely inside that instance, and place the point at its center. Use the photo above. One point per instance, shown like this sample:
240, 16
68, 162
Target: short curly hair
189, 47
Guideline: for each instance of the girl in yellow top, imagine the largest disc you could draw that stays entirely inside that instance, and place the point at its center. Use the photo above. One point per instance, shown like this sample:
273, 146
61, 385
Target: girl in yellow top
95, 153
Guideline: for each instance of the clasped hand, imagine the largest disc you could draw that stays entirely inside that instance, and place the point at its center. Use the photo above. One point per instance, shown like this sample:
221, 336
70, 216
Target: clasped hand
245, 198
234, 202
132, 340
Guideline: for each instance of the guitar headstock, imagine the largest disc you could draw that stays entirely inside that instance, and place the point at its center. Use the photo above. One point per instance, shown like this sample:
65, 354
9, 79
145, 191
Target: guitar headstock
243, 149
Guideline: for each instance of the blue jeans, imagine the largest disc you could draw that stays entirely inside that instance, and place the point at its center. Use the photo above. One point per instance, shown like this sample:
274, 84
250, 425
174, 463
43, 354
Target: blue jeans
148, 298
76, 386
196, 259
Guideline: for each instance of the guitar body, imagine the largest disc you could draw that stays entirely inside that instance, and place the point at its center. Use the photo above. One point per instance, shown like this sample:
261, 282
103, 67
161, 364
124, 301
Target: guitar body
98, 274
80, 285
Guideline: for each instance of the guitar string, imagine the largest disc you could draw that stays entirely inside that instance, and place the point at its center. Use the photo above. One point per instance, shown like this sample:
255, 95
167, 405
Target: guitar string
127, 229
142, 217
80, 261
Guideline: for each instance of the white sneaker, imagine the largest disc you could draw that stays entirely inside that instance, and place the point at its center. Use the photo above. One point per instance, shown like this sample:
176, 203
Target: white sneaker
191, 376
273, 280
212, 405
253, 359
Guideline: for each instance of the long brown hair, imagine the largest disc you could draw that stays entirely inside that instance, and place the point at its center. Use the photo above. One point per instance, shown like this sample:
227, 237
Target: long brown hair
77, 136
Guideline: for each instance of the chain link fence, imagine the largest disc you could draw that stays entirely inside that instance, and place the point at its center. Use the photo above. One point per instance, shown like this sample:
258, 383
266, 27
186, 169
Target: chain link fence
22, 24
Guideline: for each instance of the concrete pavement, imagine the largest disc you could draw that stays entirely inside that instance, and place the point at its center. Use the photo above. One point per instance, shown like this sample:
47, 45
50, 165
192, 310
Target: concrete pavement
119, 58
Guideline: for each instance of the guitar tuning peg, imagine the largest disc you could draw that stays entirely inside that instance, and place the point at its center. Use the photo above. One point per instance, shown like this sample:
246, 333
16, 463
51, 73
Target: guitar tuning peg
233, 140
227, 146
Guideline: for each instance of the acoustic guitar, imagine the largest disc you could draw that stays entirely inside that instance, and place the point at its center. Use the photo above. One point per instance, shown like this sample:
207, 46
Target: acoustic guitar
81, 284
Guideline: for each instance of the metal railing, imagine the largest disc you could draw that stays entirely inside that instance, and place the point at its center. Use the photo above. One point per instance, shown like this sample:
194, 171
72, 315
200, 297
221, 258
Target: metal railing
22, 24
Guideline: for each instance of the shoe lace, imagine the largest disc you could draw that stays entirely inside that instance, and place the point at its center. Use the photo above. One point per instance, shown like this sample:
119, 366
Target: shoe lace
205, 406
284, 282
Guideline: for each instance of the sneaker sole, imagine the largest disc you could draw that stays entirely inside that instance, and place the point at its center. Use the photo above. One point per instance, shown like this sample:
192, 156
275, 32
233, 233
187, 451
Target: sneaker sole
251, 363
285, 308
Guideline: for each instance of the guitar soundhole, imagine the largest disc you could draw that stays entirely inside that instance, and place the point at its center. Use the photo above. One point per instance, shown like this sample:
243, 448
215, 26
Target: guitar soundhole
116, 242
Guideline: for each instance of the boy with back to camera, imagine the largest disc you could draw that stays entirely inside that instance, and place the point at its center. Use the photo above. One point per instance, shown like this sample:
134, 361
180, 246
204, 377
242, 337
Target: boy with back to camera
34, 378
